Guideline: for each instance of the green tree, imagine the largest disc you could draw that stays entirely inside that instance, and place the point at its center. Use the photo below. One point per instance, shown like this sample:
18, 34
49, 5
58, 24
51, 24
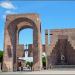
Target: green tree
44, 59
29, 63
1, 56
44, 62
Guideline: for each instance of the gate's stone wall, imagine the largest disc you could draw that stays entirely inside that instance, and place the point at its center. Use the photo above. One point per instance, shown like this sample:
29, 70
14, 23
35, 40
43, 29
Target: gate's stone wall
14, 24
30, 49
20, 51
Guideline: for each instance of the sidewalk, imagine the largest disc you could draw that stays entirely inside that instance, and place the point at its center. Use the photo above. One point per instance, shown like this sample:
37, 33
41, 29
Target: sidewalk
54, 71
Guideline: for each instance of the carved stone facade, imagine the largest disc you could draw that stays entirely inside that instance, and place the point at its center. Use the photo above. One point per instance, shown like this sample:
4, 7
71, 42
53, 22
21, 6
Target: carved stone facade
61, 50
14, 24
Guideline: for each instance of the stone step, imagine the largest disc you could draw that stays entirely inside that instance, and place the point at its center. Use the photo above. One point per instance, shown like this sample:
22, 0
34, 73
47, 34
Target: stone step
63, 66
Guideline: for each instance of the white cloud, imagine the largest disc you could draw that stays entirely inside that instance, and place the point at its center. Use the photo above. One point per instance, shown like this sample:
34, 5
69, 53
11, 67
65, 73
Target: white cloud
7, 12
4, 16
7, 5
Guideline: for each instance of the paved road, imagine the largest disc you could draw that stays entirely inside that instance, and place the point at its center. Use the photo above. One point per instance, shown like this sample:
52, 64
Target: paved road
52, 71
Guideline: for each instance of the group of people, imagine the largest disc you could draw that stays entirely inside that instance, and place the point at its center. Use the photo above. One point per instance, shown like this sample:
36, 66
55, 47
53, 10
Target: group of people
23, 68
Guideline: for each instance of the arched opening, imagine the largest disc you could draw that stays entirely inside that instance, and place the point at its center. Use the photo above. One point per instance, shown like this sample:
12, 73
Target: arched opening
26, 36
24, 42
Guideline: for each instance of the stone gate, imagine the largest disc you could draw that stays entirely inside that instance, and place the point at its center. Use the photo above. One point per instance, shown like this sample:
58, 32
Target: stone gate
14, 24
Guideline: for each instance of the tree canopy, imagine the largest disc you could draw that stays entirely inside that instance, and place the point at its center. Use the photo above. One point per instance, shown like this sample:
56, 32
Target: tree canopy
1, 56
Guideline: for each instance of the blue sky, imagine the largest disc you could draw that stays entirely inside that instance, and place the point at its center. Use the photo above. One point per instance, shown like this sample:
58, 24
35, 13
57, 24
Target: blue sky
53, 15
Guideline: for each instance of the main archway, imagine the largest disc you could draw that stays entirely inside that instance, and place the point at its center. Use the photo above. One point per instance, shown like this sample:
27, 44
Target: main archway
15, 23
